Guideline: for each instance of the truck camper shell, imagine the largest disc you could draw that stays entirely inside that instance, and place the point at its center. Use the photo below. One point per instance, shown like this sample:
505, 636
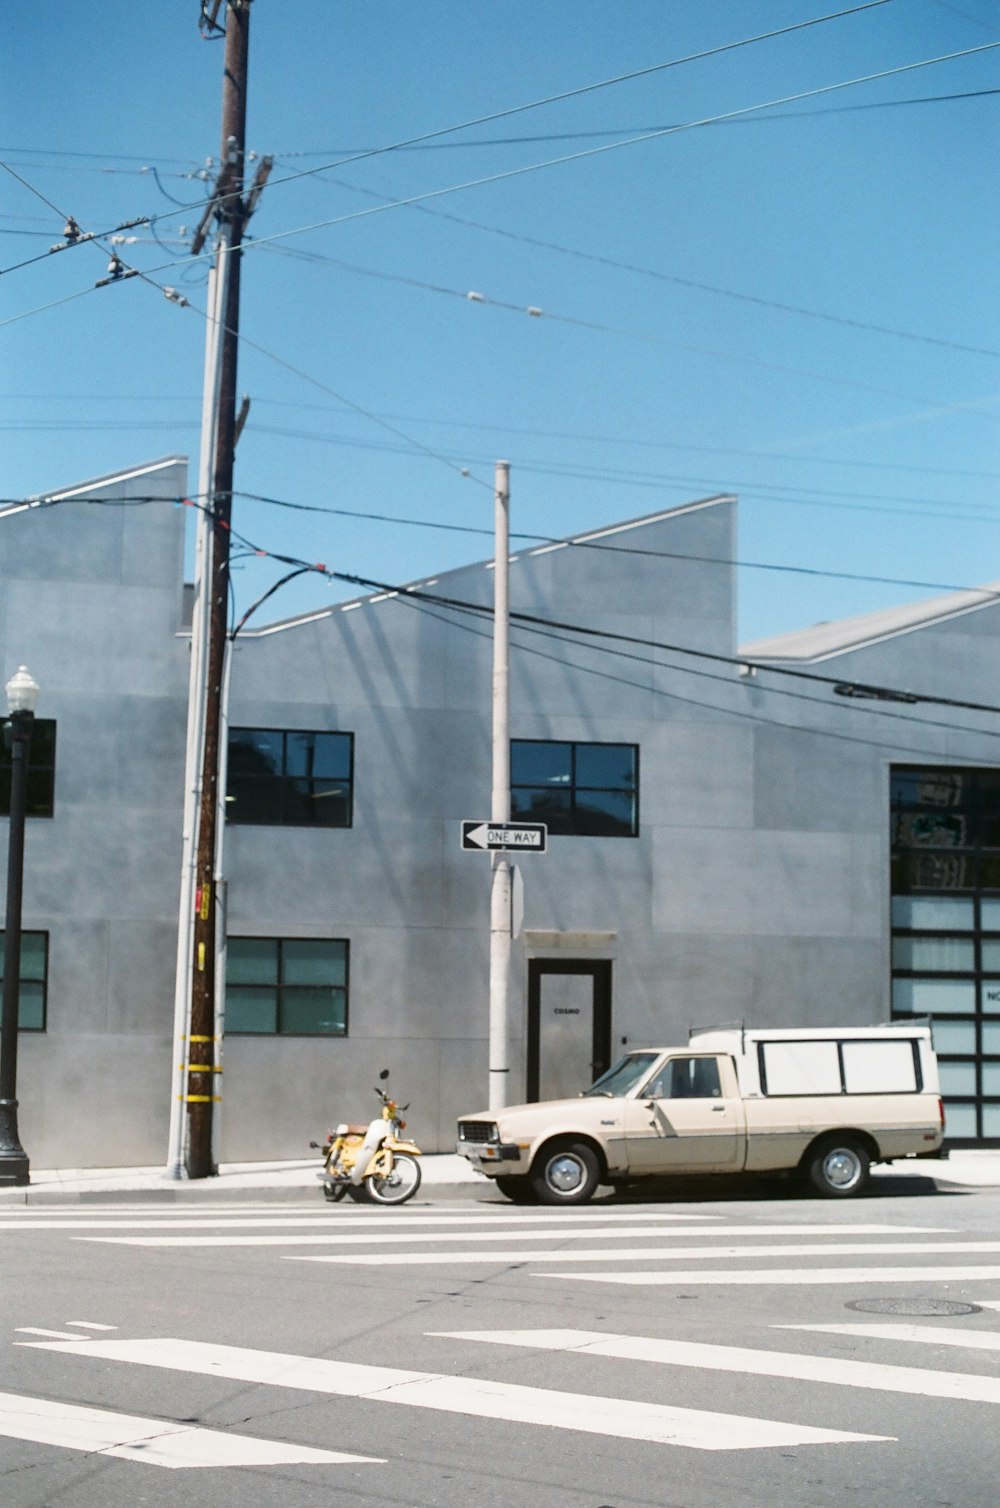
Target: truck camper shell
897, 1058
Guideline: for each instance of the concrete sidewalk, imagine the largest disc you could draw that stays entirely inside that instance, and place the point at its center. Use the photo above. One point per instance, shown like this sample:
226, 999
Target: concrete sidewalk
271, 1180
444, 1173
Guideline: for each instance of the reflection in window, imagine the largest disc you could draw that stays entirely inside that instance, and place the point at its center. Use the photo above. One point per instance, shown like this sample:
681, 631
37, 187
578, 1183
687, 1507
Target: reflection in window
285, 986
290, 778
41, 775
945, 835
33, 983
576, 789
687, 1079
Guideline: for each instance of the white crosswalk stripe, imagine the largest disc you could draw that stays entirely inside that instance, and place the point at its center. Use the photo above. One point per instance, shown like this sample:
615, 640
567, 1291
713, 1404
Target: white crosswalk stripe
620, 1246
784, 1276
589, 1232
922, 1335
151, 1442
480, 1398
351, 1219
745, 1361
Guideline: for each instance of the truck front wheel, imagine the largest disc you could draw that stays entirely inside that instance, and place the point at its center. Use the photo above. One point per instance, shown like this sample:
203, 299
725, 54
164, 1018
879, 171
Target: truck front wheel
517, 1190
566, 1174
838, 1167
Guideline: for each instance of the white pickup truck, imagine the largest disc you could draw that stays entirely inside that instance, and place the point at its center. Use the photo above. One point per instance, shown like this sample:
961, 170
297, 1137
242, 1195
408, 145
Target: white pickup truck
822, 1102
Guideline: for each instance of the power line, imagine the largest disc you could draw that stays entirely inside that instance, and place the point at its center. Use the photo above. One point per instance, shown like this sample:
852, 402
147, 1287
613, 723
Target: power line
498, 177
583, 89
561, 161
743, 663
647, 687
591, 152
645, 336
530, 539
847, 686
539, 313
507, 430
539, 138
537, 104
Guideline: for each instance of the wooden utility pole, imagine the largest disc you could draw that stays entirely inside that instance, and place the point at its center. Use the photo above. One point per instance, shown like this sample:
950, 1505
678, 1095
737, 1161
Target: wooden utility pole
232, 213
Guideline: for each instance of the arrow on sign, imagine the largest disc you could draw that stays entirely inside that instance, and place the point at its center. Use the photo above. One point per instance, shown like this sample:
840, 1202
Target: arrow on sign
492, 836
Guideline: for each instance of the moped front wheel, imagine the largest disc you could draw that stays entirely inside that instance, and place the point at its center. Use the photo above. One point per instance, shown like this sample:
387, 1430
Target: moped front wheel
334, 1191
398, 1185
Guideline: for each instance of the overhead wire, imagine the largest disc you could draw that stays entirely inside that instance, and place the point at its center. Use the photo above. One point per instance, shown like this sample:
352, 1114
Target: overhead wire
478, 143
848, 686
674, 278
535, 540
147, 276
742, 714
583, 89
561, 161
512, 110
506, 430
647, 337
591, 152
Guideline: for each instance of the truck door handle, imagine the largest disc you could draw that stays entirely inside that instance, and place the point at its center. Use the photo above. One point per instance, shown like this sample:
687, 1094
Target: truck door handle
718, 1109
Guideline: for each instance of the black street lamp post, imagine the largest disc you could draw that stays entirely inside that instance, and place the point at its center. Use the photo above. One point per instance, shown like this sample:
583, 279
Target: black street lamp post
22, 694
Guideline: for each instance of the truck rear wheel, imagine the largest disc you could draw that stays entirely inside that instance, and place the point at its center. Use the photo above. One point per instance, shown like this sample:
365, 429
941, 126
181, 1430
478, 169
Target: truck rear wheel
566, 1174
838, 1167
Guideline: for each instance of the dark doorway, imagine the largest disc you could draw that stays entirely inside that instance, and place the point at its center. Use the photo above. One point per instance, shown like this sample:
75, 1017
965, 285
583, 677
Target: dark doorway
569, 1025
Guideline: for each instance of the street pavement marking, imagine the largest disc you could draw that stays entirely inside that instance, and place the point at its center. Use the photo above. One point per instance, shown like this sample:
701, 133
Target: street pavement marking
347, 1218
779, 1276
54, 1334
600, 1254
154, 1442
562, 1233
841, 1372
924, 1335
90, 1325
480, 1398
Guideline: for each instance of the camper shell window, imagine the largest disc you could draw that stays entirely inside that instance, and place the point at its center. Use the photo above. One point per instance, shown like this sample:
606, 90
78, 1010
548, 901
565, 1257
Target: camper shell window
840, 1067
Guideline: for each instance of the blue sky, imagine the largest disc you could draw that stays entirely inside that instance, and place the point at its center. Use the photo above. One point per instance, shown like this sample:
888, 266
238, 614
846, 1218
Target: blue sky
710, 297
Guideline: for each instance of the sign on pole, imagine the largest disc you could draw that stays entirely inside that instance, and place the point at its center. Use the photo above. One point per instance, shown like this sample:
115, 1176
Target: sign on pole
491, 837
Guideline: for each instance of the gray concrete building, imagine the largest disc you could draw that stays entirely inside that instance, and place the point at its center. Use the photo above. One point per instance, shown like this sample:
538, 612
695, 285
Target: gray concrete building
726, 841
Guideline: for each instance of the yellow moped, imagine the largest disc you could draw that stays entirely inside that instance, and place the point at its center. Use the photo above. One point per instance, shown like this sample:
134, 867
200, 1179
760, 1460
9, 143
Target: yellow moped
371, 1162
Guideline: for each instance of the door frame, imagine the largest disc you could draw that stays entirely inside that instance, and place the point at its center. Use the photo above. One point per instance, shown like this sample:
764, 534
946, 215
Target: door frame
599, 970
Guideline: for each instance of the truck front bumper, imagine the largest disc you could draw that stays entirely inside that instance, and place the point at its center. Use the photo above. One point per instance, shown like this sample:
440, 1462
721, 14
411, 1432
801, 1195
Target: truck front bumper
491, 1157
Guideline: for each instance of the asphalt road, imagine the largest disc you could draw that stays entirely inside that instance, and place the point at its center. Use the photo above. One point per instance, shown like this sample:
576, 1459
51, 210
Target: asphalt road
692, 1353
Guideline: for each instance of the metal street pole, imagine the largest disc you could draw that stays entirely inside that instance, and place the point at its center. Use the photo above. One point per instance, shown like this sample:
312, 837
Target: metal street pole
202, 1062
500, 892
22, 695
196, 709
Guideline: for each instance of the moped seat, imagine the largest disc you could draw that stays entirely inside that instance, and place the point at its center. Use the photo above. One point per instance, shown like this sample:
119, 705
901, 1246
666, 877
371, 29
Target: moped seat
354, 1131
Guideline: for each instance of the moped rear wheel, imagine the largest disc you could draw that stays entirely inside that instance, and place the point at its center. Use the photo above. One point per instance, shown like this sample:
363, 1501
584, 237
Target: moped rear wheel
399, 1185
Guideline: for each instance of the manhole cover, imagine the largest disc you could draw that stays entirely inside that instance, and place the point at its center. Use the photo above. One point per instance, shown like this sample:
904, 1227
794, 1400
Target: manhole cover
926, 1308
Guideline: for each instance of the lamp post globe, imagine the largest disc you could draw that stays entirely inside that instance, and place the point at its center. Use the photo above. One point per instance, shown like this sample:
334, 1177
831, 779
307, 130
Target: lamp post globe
22, 698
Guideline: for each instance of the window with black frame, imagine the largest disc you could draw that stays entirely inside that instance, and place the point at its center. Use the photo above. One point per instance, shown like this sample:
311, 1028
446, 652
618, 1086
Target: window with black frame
290, 778
286, 986
577, 789
946, 933
33, 982
41, 778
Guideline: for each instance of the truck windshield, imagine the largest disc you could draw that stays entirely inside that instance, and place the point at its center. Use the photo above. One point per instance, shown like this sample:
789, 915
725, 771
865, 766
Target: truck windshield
624, 1075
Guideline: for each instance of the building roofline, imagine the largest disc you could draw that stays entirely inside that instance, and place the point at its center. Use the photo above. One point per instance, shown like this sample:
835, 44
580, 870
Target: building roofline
590, 537
109, 481
826, 641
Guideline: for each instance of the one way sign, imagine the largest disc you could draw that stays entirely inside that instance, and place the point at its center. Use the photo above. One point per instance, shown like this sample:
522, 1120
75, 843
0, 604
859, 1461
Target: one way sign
488, 837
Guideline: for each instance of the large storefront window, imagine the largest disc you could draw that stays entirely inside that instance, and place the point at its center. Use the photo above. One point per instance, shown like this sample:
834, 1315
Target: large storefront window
946, 933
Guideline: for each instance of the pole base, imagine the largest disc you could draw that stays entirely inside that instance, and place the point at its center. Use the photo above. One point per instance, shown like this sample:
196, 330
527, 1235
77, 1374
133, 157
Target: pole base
14, 1166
